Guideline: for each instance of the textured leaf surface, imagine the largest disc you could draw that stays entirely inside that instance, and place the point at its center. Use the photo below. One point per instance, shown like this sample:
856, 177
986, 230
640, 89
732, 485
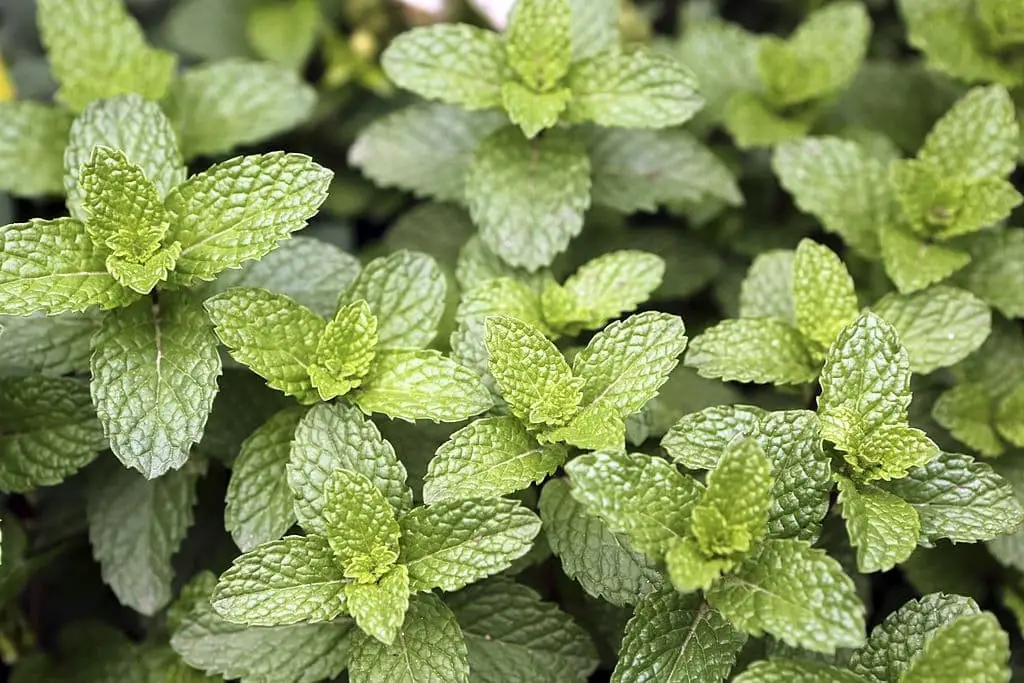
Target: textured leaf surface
969, 414
777, 670
46, 345
977, 138
993, 273
538, 41
379, 608
913, 264
971, 648
361, 528
733, 513
616, 283
154, 378
344, 351
767, 289
533, 111
32, 140
761, 350
823, 294
883, 527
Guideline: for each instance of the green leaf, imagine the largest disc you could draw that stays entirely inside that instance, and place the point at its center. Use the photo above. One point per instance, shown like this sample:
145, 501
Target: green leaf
738, 496
753, 123
723, 56
977, 138
78, 39
507, 296
143, 277
531, 372
689, 568
136, 127
406, 292
767, 289
285, 33
135, 527
533, 111
333, 436
154, 376
453, 63
890, 451
490, 457
677, 638
451, 544
46, 345
777, 591
271, 335
969, 414
412, 384
615, 283
595, 27
777, 670
698, 439
345, 350
993, 274
939, 326
761, 350
824, 297
640, 496
639, 89
538, 42
913, 264
596, 427
295, 579
882, 526
425, 148
379, 608
429, 647
361, 527
512, 634
528, 196
53, 267
959, 499
604, 563
1009, 421
49, 431
240, 209
973, 647
258, 502
226, 104
32, 140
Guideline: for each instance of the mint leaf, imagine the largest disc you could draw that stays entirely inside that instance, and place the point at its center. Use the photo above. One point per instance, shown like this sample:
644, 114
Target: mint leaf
344, 351
49, 431
732, 515
32, 145
46, 345
533, 111
761, 350
615, 283
53, 267
703, 44
538, 42
154, 376
451, 544
135, 527
677, 638
511, 633
528, 196
258, 502
295, 579
361, 527
429, 647
595, 27
992, 273
271, 335
752, 122
453, 63
490, 457
604, 563
977, 138
698, 439
379, 608
913, 264
690, 569
331, 437
772, 592
767, 289
240, 209
531, 372
971, 647
640, 496
639, 89
778, 670
824, 297
404, 320
226, 104
78, 38
882, 526
969, 414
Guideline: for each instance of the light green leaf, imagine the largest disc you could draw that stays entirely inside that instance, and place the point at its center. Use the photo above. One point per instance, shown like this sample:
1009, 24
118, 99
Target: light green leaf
738, 495
154, 376
824, 297
538, 42
285, 32
490, 457
345, 350
604, 563
777, 670
882, 527
219, 106
594, 428
993, 273
32, 140
677, 638
451, 544
406, 292
890, 451
615, 283
333, 436
528, 196
379, 608
240, 209
971, 648
53, 267
454, 63
503, 295
641, 496
533, 111
360, 526
136, 127
977, 138
258, 502
97, 51
143, 277
752, 122
429, 648
969, 414
939, 326
295, 579
689, 568
1010, 417
761, 350
46, 345
723, 56
767, 289
796, 593
512, 634
531, 372
595, 27
271, 335
414, 384
913, 264
136, 527
49, 431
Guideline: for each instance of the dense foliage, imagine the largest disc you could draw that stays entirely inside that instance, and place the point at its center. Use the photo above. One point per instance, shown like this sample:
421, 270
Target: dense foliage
457, 430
